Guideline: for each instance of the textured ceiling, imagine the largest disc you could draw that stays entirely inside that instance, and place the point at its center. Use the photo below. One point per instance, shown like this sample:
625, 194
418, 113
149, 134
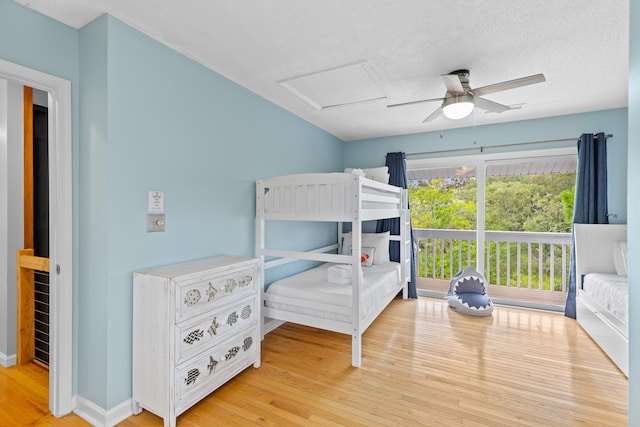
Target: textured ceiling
580, 46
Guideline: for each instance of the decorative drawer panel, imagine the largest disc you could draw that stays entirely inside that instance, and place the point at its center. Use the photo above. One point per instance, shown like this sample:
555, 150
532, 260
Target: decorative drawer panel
196, 335
199, 296
203, 374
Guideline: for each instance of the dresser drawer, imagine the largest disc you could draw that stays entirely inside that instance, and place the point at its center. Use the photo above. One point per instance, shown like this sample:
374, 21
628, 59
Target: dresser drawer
196, 335
200, 376
200, 295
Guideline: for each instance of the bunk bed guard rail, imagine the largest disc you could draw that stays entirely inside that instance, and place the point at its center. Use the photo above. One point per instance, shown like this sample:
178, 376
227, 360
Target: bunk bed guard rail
327, 197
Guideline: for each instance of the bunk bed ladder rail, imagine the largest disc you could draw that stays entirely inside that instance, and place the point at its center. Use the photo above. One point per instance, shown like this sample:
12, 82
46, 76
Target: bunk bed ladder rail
356, 242
259, 249
406, 242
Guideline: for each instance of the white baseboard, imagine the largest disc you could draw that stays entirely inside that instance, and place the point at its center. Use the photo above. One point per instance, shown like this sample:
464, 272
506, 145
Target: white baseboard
271, 324
7, 361
100, 417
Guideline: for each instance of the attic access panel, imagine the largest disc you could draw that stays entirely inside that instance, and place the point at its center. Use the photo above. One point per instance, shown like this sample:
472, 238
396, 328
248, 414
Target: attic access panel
336, 87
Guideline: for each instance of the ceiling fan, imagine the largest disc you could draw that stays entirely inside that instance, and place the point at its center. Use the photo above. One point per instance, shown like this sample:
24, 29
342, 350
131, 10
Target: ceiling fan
459, 100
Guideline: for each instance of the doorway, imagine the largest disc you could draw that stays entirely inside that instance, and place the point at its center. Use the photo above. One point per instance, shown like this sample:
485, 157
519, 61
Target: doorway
60, 232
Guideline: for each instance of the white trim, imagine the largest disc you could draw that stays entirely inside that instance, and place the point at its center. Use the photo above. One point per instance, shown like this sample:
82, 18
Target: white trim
61, 241
271, 325
5, 281
99, 417
481, 181
7, 361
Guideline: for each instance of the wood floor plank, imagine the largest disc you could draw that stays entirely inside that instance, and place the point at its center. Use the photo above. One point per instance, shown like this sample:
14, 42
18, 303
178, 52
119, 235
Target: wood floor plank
422, 364
24, 399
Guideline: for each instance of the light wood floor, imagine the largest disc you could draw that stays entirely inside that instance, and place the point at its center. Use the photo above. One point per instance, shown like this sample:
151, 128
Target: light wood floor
24, 399
423, 364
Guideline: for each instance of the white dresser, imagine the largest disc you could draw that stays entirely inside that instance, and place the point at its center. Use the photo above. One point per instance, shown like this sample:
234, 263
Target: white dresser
195, 326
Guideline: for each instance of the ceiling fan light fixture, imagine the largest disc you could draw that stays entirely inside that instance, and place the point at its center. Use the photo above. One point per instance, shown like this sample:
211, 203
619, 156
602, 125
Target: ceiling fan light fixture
458, 107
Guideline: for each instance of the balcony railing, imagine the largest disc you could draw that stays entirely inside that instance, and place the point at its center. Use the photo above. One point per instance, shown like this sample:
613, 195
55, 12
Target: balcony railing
537, 261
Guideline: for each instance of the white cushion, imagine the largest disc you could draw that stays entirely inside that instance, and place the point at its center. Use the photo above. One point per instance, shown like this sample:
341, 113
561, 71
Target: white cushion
379, 241
378, 174
619, 253
366, 259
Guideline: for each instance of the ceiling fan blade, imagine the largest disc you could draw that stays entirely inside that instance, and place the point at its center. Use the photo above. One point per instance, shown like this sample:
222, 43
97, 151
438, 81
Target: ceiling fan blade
452, 82
509, 84
485, 104
433, 115
402, 104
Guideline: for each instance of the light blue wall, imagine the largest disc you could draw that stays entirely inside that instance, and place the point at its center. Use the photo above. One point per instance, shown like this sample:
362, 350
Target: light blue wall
154, 120
371, 152
93, 286
38, 42
634, 214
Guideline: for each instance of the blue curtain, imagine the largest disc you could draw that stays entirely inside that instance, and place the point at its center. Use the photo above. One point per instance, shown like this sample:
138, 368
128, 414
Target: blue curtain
590, 204
398, 176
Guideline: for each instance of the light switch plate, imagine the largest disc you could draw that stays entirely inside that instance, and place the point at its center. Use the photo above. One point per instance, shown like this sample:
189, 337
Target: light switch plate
155, 223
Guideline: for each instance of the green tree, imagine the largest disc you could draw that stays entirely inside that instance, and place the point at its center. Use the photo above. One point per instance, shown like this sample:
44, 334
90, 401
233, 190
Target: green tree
534, 203
437, 203
568, 198
529, 203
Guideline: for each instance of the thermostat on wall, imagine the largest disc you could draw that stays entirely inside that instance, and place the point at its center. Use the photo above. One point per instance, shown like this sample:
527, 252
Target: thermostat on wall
155, 204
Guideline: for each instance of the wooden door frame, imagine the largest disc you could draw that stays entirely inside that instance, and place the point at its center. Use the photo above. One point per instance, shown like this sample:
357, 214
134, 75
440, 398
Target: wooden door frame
60, 230
26, 302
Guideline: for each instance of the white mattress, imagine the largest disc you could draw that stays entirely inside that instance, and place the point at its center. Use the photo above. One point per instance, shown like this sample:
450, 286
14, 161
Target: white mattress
610, 291
312, 285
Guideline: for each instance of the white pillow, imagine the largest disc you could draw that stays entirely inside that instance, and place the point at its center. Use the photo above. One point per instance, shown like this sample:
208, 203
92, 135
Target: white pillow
379, 241
378, 174
354, 171
366, 259
619, 251
625, 259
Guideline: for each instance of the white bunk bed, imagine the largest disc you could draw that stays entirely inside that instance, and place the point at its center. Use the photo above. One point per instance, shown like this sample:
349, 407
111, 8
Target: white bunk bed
602, 288
340, 198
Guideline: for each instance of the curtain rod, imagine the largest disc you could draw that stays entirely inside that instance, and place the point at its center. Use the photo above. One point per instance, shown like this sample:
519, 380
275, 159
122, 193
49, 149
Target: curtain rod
482, 148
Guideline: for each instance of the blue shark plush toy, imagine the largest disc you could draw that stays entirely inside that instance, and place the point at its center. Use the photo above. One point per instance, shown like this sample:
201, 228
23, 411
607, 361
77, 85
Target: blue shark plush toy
468, 293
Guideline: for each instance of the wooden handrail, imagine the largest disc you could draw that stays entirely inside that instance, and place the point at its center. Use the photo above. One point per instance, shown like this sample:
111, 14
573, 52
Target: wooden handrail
34, 262
26, 263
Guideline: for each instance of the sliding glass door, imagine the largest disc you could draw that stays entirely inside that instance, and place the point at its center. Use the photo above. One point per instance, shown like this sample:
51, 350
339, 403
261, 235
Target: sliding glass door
516, 207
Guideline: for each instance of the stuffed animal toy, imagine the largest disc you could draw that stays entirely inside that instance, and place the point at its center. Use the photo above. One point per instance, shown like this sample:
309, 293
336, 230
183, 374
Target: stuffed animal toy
468, 293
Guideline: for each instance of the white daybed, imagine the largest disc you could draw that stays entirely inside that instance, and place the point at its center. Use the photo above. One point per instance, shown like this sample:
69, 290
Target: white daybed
602, 289
309, 298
